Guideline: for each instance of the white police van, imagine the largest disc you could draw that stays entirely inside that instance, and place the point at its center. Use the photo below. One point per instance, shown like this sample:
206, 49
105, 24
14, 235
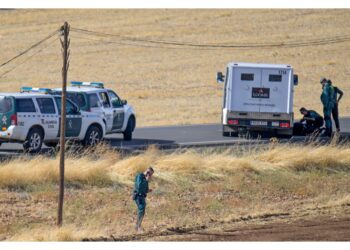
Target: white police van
258, 97
32, 117
118, 116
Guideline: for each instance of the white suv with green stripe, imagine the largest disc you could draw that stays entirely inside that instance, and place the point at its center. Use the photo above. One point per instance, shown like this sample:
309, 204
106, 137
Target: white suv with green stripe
34, 118
118, 116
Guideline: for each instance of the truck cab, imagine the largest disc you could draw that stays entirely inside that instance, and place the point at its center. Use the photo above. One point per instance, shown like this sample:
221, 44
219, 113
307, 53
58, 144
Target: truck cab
258, 97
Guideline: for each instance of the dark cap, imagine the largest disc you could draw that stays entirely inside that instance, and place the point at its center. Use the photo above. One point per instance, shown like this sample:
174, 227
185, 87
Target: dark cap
323, 80
302, 109
329, 82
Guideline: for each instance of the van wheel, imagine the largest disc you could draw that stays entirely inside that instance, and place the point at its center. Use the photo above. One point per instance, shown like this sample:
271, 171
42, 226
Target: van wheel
34, 141
129, 129
93, 136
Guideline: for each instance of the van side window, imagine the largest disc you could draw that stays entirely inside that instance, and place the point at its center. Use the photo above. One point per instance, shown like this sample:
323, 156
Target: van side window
5, 104
93, 100
77, 98
247, 77
275, 78
114, 99
25, 105
104, 99
70, 108
46, 105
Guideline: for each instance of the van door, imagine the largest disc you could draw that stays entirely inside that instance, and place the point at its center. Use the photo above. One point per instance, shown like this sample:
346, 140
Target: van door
118, 111
73, 119
245, 84
277, 83
107, 109
48, 117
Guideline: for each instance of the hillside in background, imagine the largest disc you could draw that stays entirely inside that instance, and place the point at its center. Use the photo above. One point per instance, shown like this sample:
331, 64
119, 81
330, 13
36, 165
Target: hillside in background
174, 84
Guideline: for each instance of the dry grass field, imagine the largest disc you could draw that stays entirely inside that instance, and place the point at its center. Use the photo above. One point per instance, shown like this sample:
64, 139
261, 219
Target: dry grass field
193, 189
176, 86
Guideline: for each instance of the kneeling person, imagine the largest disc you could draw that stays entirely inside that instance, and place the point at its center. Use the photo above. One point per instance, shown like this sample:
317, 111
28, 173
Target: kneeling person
311, 122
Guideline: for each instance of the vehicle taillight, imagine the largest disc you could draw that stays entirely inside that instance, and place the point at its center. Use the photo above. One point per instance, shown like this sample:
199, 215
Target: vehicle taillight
233, 122
284, 125
14, 120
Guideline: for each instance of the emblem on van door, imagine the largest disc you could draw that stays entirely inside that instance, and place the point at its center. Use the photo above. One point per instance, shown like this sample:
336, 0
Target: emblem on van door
70, 125
4, 120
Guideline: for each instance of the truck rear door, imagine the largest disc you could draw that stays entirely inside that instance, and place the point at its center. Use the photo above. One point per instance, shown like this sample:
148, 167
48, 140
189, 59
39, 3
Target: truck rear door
245, 82
276, 82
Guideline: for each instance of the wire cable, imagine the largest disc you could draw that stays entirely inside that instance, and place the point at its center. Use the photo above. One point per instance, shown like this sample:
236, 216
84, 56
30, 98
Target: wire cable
310, 42
27, 59
139, 45
30, 48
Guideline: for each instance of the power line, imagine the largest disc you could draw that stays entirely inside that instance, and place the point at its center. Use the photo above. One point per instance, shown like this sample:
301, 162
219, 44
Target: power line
30, 48
139, 45
27, 59
310, 42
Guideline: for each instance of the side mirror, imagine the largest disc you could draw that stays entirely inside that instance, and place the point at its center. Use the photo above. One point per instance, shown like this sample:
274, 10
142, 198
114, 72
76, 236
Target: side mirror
220, 77
295, 79
124, 102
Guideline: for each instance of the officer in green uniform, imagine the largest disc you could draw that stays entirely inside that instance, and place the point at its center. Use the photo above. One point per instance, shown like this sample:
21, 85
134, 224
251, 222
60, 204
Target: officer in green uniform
311, 122
140, 193
336, 100
327, 99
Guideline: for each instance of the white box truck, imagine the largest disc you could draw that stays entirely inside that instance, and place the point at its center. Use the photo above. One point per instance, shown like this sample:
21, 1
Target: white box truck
258, 97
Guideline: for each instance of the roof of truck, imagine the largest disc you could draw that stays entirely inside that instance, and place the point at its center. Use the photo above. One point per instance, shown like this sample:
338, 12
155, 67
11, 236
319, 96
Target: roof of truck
259, 65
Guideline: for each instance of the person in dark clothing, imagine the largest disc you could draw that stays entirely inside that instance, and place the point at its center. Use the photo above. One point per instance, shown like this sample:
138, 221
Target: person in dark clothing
311, 122
327, 99
336, 99
140, 193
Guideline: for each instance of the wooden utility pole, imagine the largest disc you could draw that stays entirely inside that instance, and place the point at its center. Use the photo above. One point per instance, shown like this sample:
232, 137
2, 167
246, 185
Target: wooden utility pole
65, 54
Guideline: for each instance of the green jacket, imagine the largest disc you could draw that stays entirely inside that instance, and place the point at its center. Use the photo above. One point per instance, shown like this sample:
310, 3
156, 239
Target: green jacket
141, 184
327, 96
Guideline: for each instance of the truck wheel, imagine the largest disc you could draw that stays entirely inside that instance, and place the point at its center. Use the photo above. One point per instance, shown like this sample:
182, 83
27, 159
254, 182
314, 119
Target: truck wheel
129, 129
93, 136
34, 141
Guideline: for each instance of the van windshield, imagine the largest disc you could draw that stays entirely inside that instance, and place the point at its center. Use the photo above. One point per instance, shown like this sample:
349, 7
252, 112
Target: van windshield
6, 104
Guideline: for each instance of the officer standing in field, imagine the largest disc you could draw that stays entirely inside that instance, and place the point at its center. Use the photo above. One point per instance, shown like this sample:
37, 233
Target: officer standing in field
336, 100
327, 99
140, 193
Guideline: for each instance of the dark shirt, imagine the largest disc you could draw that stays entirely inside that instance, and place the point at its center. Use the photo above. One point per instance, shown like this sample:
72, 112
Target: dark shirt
336, 92
141, 184
314, 117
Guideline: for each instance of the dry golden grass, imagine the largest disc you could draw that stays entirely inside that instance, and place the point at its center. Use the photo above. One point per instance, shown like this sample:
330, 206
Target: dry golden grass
164, 84
190, 188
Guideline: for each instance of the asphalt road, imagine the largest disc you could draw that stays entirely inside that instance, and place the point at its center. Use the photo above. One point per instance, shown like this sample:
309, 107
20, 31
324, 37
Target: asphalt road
168, 137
